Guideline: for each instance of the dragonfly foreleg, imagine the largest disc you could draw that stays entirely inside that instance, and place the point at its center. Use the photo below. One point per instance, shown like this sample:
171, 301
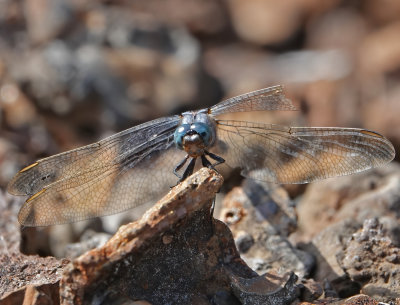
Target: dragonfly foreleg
179, 166
215, 157
189, 169
205, 162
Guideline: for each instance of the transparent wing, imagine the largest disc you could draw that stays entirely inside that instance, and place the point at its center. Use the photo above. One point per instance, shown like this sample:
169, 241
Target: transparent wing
299, 155
100, 179
110, 191
271, 98
96, 157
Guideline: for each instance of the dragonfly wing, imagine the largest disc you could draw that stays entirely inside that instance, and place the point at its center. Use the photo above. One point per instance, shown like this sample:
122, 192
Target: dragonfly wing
299, 155
271, 98
96, 157
113, 190
100, 179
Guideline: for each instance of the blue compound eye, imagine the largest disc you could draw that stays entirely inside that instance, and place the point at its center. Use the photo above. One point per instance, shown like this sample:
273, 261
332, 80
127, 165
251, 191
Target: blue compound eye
203, 130
180, 132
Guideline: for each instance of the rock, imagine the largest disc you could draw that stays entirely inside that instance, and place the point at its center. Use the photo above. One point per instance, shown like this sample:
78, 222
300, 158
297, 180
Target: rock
358, 299
161, 76
373, 58
310, 290
265, 206
23, 278
326, 246
329, 291
382, 14
47, 19
357, 197
18, 109
379, 113
337, 209
329, 104
253, 291
354, 300
242, 69
261, 216
371, 259
382, 199
73, 239
201, 17
265, 22
176, 253
89, 240
244, 241
341, 28
46, 294
147, 62
352, 261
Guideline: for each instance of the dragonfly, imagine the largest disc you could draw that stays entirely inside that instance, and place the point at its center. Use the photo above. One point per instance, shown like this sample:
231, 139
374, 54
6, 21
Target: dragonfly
140, 164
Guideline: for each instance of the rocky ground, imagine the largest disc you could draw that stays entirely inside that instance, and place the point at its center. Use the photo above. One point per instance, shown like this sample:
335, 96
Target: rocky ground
72, 72
177, 253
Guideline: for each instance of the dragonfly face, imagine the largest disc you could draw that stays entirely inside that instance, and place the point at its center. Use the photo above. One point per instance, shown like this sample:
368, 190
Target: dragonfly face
138, 165
195, 133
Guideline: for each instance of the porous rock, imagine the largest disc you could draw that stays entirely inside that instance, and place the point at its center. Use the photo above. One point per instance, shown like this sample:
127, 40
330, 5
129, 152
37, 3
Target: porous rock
175, 254
371, 259
359, 299
261, 216
370, 194
337, 209
24, 278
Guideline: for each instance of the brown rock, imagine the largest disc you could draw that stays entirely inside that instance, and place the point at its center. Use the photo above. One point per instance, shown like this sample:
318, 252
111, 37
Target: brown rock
89, 240
18, 109
260, 204
377, 59
204, 17
331, 103
359, 299
23, 278
176, 253
379, 112
333, 210
382, 13
326, 246
340, 28
161, 76
45, 19
47, 294
265, 22
310, 290
371, 259
261, 216
352, 197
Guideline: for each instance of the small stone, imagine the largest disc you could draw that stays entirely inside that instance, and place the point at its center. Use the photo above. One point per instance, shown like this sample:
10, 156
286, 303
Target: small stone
244, 241
167, 239
310, 290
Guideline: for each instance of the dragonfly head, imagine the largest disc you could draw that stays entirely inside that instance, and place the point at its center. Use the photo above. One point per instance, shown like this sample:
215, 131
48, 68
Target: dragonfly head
193, 138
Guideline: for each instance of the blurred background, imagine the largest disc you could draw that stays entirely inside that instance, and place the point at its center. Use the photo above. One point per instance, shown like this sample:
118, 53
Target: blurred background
73, 71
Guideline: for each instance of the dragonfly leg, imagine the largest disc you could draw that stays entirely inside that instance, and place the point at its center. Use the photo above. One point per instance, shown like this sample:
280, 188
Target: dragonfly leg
205, 162
215, 157
189, 169
179, 166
